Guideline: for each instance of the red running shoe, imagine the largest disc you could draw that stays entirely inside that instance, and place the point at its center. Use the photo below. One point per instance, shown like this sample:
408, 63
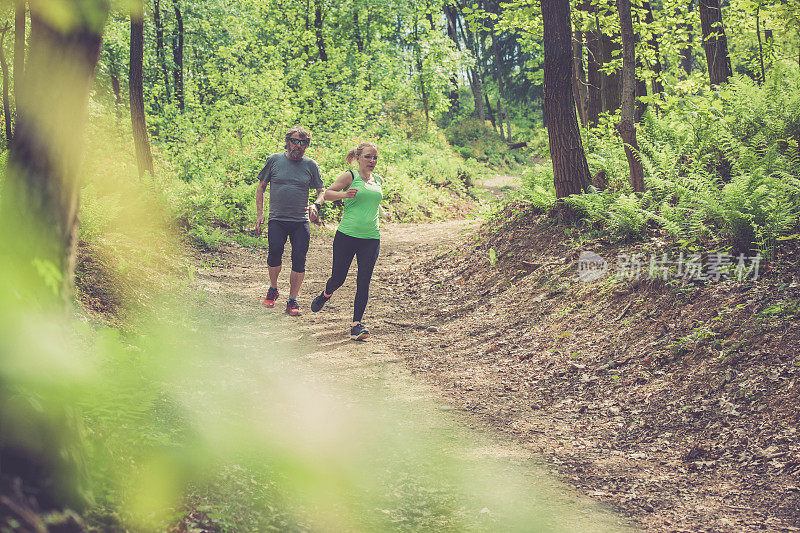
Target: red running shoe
269, 299
293, 308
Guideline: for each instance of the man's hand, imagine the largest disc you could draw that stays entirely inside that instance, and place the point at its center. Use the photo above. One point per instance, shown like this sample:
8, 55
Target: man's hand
350, 193
259, 224
313, 211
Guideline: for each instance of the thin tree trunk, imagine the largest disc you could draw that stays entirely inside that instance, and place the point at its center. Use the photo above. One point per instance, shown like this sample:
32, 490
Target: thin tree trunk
657, 85
502, 110
357, 31
760, 47
594, 104
450, 15
177, 54
715, 43
6, 102
19, 44
476, 82
420, 72
570, 170
579, 76
626, 127
491, 113
144, 157
686, 55
323, 55
611, 82
160, 55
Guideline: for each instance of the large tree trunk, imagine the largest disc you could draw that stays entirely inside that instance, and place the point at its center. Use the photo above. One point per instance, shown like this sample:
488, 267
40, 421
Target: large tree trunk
160, 55
144, 157
570, 170
177, 54
626, 127
715, 43
43, 180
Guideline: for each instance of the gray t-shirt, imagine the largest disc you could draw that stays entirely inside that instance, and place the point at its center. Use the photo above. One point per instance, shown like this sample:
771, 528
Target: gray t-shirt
289, 183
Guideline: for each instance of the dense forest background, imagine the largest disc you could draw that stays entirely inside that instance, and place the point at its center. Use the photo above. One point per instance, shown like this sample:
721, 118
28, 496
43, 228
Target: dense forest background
125, 120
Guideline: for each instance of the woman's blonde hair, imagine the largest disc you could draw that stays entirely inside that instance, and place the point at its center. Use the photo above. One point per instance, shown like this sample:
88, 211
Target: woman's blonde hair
358, 150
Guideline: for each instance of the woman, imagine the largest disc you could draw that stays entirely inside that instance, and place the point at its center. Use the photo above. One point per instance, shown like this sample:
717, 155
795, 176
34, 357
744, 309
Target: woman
358, 233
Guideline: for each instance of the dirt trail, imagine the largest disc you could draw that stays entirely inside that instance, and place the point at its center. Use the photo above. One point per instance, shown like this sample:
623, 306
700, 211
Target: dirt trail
240, 281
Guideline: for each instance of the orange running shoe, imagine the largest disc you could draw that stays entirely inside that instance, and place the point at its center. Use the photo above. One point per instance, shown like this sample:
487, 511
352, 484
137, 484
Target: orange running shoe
272, 295
293, 308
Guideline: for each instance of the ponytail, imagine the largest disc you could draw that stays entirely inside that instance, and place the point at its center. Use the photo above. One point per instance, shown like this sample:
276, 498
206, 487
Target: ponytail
358, 150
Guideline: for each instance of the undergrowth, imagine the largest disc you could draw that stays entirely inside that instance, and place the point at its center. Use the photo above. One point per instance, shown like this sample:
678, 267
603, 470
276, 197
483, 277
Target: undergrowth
721, 169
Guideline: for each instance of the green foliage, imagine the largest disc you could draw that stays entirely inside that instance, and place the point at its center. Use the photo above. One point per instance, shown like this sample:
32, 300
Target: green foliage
480, 142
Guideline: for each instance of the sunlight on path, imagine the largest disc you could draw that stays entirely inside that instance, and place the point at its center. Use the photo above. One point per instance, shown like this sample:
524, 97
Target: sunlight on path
379, 446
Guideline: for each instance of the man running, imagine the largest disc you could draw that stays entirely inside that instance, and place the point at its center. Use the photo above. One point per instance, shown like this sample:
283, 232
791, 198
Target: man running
290, 175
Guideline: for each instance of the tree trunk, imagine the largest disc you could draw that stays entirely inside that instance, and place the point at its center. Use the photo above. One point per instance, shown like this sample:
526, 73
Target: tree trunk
626, 127
6, 103
420, 72
686, 56
760, 46
594, 104
570, 170
177, 54
476, 82
491, 113
144, 157
357, 31
502, 110
43, 179
19, 45
323, 55
715, 43
160, 55
657, 85
451, 15
611, 82
579, 76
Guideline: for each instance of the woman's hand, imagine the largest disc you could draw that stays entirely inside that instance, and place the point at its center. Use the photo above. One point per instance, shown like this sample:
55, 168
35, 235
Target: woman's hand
350, 193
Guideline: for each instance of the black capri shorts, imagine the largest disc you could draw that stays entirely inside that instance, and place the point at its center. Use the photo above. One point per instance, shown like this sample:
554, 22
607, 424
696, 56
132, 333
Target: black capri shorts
299, 234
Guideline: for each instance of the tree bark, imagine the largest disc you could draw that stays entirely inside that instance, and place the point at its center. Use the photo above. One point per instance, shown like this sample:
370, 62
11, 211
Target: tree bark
686, 56
160, 55
177, 54
657, 85
594, 104
323, 55
42, 186
19, 44
144, 157
715, 44
476, 81
357, 31
502, 110
6, 102
579, 76
420, 69
451, 16
626, 127
611, 82
570, 170
760, 46
491, 113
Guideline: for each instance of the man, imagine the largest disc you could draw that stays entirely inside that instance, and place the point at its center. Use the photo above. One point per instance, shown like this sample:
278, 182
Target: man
289, 175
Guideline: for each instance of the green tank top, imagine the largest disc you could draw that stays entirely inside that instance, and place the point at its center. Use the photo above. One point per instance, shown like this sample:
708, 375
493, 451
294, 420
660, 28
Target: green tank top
360, 218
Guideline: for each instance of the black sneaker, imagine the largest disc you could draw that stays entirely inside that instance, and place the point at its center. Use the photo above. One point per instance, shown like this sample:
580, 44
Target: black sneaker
359, 332
318, 302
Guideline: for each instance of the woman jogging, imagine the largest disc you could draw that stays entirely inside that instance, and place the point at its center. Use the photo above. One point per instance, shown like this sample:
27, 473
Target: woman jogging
358, 234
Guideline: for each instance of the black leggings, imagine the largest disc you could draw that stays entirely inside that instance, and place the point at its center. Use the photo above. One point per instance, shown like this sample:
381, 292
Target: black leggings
366, 252
299, 234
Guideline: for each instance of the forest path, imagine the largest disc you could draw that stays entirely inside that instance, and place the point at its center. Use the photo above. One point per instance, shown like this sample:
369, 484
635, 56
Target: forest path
510, 488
